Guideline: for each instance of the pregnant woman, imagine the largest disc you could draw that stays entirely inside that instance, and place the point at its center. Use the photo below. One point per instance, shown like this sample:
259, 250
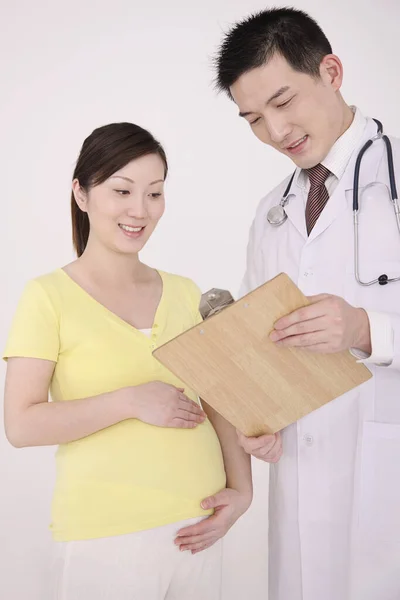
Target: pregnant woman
147, 479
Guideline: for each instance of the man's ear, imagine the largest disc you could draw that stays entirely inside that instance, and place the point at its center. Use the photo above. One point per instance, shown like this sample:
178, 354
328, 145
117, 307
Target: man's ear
80, 195
331, 70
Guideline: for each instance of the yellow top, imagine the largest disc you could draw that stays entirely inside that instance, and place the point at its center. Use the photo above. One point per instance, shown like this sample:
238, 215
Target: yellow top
130, 476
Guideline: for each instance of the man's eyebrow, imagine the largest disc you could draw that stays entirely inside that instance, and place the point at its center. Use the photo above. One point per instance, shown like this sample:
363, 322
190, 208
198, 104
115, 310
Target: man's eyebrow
277, 94
245, 114
280, 92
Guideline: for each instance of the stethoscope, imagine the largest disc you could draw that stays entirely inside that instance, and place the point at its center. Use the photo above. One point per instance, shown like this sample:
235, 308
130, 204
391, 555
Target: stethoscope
277, 215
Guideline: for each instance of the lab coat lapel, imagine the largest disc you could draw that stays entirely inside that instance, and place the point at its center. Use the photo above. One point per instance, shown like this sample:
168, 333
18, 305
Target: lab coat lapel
295, 207
338, 203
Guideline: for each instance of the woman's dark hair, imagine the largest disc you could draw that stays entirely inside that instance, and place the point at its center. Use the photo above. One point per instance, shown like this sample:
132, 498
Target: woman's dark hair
252, 42
107, 150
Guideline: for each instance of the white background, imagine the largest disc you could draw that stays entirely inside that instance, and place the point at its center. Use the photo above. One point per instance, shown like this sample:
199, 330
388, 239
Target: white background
68, 67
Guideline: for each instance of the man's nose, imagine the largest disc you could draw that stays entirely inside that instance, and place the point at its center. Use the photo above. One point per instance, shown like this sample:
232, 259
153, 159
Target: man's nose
278, 128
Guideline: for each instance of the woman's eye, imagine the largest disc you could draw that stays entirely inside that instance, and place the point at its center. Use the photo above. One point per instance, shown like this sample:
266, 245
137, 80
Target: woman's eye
122, 192
255, 121
155, 195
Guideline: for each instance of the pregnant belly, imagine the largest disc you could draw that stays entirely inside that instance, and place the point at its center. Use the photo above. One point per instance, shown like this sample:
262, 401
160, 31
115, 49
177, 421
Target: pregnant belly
132, 453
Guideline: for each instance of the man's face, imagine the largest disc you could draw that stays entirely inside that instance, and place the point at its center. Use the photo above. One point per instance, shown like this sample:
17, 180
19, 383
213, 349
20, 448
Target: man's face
298, 115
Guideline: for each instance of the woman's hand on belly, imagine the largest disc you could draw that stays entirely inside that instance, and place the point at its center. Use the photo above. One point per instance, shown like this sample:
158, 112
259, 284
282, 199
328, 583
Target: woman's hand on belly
164, 405
229, 505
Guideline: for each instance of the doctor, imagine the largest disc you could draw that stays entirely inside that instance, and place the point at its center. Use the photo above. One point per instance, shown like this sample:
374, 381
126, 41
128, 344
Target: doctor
335, 475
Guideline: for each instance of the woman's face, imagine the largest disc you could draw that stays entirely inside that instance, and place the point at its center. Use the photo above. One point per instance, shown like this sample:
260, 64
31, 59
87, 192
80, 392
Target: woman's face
124, 210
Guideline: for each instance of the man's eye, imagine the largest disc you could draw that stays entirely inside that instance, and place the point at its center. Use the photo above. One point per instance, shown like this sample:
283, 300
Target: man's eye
122, 192
255, 121
285, 103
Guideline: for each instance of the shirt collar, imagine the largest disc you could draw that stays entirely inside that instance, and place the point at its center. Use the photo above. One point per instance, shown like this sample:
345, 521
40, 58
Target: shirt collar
339, 155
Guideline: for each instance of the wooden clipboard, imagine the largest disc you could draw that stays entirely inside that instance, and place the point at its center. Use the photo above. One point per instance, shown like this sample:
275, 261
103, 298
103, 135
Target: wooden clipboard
258, 387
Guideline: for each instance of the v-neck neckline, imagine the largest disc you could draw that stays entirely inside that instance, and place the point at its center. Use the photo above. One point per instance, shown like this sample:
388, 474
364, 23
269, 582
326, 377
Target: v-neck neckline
116, 317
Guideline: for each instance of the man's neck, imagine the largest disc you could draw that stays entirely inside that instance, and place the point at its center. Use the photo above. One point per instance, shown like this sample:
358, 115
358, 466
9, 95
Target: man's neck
347, 119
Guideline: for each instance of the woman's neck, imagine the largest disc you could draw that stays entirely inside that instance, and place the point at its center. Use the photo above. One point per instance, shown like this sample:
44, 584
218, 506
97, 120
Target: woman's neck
105, 267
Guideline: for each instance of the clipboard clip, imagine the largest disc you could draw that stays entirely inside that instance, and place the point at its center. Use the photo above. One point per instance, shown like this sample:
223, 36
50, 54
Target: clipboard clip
214, 301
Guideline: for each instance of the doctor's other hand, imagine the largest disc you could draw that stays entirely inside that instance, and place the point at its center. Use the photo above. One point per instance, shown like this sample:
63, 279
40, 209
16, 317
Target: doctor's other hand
265, 447
228, 505
329, 324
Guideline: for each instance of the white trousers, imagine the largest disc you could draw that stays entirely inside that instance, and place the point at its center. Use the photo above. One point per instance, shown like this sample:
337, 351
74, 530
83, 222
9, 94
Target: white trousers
145, 565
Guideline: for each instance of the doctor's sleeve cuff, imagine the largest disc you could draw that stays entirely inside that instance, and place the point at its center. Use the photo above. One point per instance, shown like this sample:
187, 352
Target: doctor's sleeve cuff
382, 341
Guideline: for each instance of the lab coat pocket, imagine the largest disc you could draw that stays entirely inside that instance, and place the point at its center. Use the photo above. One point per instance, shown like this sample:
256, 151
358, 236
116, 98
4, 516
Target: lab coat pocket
379, 517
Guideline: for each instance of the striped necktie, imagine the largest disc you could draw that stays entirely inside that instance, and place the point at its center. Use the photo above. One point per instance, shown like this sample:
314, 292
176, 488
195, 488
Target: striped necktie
317, 196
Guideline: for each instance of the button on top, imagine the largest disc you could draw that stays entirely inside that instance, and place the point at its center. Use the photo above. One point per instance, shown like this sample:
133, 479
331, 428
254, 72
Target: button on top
308, 438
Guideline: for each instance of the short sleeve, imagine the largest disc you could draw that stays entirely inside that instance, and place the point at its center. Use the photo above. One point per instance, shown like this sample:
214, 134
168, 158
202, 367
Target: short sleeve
35, 328
195, 297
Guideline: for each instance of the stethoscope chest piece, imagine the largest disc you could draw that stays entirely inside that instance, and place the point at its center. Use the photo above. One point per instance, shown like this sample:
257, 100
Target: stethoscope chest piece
276, 215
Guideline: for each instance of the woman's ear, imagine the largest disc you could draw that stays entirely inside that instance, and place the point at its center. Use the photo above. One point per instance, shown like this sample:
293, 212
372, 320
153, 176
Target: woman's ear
80, 195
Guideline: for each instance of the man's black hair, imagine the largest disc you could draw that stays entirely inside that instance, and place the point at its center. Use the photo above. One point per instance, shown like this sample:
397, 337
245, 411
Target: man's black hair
251, 43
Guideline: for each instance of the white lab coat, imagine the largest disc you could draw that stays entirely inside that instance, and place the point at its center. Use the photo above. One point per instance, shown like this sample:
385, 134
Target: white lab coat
334, 511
